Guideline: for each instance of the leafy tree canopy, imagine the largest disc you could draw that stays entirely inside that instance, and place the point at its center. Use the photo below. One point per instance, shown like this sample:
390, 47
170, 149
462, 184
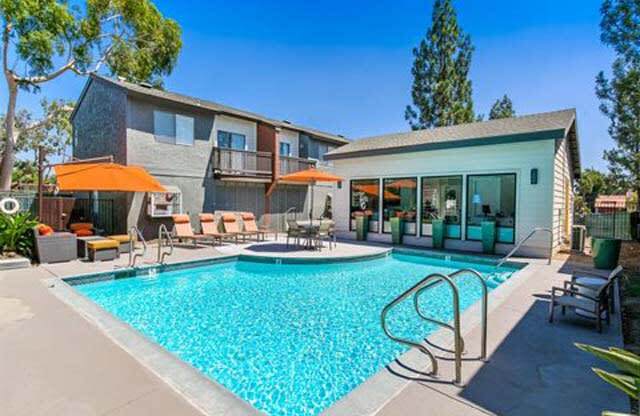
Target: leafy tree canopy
620, 95
43, 39
502, 108
441, 90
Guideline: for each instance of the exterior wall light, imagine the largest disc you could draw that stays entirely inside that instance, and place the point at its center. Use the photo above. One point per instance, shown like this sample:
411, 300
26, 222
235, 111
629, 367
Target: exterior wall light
534, 176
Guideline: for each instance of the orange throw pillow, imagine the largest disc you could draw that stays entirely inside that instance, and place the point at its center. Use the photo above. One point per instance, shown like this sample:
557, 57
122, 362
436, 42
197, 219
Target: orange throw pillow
84, 233
44, 229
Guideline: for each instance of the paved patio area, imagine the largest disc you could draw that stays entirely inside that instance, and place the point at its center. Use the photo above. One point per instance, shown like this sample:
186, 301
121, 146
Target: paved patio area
56, 362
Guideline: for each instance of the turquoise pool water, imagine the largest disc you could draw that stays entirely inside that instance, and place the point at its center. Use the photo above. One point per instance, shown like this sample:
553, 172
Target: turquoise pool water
290, 339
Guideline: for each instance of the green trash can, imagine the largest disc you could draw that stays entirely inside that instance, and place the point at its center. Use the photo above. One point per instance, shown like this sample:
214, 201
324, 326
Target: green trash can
605, 252
362, 227
397, 228
488, 237
437, 233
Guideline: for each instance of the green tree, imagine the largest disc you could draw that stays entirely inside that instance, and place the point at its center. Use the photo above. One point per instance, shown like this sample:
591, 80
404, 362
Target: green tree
44, 39
502, 108
593, 183
51, 132
620, 95
441, 90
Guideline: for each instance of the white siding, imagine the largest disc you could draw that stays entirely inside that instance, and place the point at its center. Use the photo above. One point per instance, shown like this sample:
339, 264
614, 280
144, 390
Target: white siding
237, 125
533, 202
291, 137
563, 180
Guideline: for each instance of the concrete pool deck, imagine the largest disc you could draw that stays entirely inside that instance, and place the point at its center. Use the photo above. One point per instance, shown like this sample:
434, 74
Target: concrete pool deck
54, 361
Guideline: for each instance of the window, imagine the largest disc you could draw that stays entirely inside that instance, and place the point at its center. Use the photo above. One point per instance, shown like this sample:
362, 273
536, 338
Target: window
184, 130
491, 198
442, 199
229, 140
323, 148
173, 128
400, 200
365, 200
285, 149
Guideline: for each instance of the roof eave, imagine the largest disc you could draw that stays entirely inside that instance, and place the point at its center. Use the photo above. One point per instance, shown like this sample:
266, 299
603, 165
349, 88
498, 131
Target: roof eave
483, 141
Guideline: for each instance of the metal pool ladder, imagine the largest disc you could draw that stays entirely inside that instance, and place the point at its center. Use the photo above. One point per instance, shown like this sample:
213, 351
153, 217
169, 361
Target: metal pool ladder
136, 235
162, 234
420, 288
521, 242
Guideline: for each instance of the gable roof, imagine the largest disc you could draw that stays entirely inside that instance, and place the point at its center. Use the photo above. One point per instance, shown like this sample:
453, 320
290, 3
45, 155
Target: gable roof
146, 91
556, 124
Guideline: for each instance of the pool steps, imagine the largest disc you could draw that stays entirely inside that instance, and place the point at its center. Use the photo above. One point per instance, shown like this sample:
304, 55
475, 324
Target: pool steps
420, 288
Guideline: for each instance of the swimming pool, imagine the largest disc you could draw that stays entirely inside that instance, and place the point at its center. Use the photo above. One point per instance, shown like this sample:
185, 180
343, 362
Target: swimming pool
290, 339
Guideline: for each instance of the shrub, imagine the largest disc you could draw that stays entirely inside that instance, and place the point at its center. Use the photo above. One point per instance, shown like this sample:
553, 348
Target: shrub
16, 234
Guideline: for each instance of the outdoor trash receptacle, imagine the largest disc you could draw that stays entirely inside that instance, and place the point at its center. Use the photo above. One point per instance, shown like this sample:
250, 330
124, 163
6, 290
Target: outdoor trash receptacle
605, 252
437, 233
397, 226
362, 227
488, 237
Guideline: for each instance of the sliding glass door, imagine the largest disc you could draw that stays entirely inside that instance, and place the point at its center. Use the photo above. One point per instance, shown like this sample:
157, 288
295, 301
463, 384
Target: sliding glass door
400, 200
442, 199
491, 198
365, 200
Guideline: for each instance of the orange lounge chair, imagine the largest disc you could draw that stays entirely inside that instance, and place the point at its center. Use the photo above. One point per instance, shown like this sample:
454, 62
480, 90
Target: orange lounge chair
209, 227
183, 231
231, 225
250, 225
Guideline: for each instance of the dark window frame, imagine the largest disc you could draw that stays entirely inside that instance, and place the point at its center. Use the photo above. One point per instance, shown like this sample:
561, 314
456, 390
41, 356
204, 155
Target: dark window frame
351, 199
515, 205
382, 220
462, 203
231, 134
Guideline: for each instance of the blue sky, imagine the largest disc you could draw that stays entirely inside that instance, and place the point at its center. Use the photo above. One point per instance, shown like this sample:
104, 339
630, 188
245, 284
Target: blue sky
344, 67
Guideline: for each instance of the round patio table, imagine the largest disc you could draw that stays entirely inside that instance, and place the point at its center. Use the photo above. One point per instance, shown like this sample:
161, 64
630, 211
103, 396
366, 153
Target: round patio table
310, 231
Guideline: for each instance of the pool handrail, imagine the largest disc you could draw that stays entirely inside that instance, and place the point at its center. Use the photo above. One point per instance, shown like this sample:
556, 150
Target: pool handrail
427, 282
484, 308
163, 232
135, 235
521, 242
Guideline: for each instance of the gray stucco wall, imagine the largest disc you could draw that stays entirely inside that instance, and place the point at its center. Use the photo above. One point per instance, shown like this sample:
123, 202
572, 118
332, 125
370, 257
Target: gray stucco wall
99, 124
158, 156
111, 122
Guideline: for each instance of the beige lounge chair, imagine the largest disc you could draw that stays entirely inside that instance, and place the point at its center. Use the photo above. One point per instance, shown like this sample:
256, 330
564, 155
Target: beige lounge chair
209, 227
183, 231
250, 225
231, 225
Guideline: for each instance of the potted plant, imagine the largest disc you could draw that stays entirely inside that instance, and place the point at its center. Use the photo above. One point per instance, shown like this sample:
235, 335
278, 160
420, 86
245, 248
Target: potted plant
397, 226
362, 225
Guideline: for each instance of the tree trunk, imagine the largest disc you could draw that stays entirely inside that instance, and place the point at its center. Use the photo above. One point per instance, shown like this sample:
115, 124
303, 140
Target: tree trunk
8, 157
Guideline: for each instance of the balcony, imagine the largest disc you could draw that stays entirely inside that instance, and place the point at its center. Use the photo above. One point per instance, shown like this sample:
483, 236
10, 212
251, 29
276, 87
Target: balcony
241, 163
294, 164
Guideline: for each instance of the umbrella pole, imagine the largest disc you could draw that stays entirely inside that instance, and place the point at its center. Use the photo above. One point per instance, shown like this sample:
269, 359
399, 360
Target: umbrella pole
311, 205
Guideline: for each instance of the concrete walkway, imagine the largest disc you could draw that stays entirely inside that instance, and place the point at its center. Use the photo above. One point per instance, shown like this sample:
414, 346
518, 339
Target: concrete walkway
533, 368
55, 362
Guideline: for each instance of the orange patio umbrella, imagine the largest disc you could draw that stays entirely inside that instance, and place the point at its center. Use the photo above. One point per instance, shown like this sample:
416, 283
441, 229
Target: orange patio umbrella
373, 190
311, 176
403, 183
108, 177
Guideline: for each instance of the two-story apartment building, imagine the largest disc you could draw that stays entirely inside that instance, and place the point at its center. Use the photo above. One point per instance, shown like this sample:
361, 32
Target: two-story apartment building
210, 156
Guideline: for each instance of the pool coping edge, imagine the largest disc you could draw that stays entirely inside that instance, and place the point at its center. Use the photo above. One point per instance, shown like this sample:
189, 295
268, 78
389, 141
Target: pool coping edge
205, 394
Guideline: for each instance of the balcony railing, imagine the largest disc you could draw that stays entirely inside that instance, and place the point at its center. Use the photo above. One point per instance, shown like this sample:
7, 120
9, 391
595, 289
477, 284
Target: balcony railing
232, 162
294, 164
